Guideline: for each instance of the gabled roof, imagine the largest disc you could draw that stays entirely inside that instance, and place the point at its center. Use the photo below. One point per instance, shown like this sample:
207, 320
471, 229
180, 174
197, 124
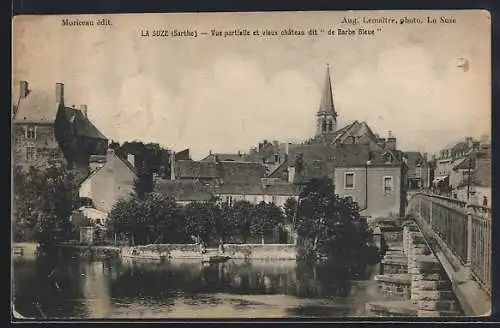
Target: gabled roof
228, 172
278, 171
83, 126
310, 152
183, 155
36, 107
195, 169
108, 160
241, 172
224, 157
183, 190
357, 155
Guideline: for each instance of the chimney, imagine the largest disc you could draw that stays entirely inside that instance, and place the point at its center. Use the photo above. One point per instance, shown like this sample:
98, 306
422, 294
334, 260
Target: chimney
60, 93
391, 141
172, 165
23, 89
381, 142
83, 108
131, 159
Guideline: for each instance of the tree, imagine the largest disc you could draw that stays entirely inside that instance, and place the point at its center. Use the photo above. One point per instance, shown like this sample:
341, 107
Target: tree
241, 216
200, 220
43, 202
265, 217
290, 209
143, 184
327, 222
150, 220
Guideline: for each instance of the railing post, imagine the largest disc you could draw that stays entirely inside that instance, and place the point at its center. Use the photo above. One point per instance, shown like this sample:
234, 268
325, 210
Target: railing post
430, 213
468, 262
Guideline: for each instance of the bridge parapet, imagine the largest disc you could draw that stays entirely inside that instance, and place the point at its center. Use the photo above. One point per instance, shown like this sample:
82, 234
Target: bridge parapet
461, 230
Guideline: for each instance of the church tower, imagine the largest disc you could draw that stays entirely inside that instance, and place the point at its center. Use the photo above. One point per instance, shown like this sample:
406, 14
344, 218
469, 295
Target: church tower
326, 117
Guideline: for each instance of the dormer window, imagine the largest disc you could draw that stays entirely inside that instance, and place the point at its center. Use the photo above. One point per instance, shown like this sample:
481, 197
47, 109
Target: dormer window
31, 132
387, 158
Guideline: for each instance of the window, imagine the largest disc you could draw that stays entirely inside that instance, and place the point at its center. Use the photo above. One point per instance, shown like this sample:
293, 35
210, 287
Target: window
30, 132
388, 185
348, 180
30, 153
324, 126
330, 126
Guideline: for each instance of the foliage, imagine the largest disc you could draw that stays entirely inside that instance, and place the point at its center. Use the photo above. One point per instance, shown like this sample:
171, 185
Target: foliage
328, 223
290, 209
158, 218
43, 202
152, 219
265, 217
241, 217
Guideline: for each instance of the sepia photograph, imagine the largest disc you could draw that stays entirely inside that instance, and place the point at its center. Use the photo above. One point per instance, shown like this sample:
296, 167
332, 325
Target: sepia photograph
315, 164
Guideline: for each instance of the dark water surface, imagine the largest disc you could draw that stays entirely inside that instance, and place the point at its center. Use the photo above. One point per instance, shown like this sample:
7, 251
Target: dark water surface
80, 288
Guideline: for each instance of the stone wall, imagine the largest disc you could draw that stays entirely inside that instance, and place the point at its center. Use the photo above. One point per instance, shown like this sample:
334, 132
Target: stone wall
234, 251
414, 279
261, 251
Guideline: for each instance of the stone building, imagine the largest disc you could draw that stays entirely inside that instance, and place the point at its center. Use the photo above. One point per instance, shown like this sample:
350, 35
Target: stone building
375, 179
47, 132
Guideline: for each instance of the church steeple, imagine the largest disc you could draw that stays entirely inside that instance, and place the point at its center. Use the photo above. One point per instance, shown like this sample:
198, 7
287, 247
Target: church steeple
326, 116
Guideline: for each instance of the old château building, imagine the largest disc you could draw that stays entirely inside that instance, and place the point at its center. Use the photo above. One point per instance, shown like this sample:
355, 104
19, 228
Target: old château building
47, 132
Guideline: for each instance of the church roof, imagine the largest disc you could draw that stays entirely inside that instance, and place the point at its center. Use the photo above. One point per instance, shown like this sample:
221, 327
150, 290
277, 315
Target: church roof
326, 104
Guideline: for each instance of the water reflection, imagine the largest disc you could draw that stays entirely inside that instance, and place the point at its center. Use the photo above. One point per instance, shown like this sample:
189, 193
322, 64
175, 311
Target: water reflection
183, 288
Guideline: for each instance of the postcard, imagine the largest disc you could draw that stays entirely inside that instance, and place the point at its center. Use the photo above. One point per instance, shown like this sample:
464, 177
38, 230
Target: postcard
326, 164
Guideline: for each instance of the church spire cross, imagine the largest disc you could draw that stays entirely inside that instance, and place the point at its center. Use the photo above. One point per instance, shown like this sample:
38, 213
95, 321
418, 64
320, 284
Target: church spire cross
326, 104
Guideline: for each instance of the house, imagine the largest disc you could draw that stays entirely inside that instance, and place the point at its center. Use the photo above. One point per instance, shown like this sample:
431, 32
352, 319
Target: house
47, 132
418, 170
375, 179
448, 174
268, 191
186, 191
109, 182
270, 154
308, 161
472, 174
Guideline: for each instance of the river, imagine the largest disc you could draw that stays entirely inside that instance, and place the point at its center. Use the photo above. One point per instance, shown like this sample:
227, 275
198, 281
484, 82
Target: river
50, 287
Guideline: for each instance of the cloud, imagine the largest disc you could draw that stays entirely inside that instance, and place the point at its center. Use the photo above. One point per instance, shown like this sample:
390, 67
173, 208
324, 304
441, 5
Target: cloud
404, 91
230, 107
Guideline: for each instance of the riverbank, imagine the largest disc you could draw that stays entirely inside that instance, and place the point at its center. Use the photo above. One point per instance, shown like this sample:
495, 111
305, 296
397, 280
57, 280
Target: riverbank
187, 251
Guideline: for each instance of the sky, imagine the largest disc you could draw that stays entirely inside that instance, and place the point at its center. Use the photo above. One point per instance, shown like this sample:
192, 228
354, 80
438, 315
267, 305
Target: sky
228, 94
